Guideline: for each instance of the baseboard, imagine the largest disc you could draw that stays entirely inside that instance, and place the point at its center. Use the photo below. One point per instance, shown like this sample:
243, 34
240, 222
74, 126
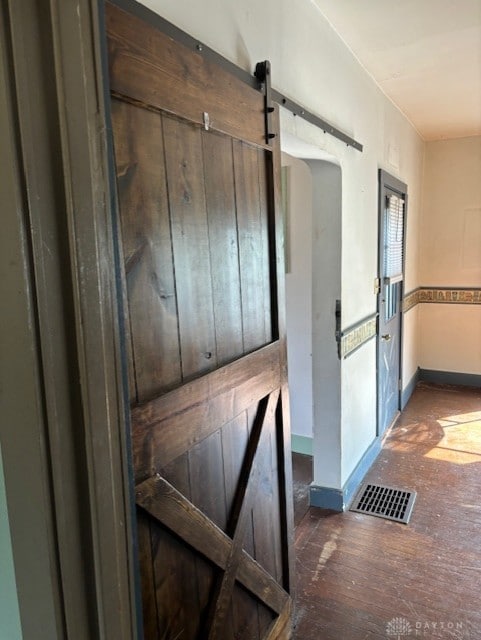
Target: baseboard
450, 377
340, 499
409, 389
301, 444
326, 498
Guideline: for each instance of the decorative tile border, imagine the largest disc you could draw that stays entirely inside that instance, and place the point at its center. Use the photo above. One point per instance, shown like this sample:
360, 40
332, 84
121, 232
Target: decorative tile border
442, 295
410, 300
357, 335
445, 294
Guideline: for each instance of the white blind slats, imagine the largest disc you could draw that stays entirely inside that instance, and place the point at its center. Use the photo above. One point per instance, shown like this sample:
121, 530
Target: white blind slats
393, 238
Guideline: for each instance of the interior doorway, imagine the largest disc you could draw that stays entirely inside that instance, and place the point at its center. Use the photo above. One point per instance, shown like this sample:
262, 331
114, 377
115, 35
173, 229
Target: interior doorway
313, 182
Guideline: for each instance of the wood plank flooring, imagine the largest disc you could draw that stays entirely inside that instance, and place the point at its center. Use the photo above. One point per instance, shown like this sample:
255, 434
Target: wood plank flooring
362, 577
301, 478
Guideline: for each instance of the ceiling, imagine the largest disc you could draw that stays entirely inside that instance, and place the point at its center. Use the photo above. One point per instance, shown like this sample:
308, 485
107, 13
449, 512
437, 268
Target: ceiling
424, 54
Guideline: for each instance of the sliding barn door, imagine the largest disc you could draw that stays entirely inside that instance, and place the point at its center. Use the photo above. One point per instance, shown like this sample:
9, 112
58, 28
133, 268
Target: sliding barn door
197, 204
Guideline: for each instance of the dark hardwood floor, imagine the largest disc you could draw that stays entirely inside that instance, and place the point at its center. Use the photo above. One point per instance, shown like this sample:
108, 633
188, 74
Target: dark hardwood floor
362, 577
302, 478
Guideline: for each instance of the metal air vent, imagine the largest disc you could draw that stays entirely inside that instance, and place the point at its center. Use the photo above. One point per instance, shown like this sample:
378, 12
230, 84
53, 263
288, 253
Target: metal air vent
385, 502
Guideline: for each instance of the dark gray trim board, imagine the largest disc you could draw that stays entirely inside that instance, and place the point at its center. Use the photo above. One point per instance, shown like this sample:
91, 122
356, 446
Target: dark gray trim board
123, 350
62, 405
389, 183
408, 390
31, 601
450, 377
188, 41
340, 499
438, 377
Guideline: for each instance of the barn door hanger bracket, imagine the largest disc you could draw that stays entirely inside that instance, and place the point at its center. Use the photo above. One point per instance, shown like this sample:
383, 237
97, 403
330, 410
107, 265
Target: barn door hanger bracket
263, 75
338, 328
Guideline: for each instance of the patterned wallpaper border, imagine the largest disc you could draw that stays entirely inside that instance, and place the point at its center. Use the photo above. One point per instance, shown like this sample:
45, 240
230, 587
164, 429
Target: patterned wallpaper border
410, 300
442, 295
357, 335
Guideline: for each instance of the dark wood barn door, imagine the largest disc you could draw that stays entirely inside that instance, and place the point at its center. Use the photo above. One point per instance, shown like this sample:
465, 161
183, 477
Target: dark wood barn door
197, 190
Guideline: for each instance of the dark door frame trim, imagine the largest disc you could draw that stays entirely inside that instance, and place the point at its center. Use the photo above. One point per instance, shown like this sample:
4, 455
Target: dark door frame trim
388, 181
194, 44
22, 425
81, 582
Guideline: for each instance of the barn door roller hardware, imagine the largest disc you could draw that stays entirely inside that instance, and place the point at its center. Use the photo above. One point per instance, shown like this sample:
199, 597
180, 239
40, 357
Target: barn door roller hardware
139, 10
303, 113
263, 74
338, 328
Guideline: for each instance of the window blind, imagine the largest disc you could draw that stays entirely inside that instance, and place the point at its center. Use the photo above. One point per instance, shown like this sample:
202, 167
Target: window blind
393, 238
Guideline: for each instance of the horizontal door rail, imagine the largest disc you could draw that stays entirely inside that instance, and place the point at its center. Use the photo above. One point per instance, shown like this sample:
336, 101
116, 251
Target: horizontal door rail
192, 43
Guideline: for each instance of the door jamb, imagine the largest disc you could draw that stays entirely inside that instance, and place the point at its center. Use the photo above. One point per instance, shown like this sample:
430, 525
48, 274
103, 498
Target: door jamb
388, 181
56, 79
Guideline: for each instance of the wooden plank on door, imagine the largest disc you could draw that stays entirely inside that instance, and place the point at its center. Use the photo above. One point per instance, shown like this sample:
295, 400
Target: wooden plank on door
267, 242
170, 507
281, 627
266, 516
175, 570
206, 470
147, 249
149, 67
190, 236
164, 428
235, 435
246, 620
148, 587
252, 470
252, 248
224, 246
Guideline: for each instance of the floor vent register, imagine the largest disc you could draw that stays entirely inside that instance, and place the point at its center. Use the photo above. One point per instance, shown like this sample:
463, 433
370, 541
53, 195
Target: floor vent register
385, 502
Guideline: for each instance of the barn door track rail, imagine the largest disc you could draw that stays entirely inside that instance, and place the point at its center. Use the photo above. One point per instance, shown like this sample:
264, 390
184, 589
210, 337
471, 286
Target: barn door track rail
209, 54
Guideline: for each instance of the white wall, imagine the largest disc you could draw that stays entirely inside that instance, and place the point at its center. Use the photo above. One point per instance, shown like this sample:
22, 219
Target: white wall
451, 223
359, 412
299, 294
326, 289
313, 66
411, 172
450, 254
411, 345
450, 338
